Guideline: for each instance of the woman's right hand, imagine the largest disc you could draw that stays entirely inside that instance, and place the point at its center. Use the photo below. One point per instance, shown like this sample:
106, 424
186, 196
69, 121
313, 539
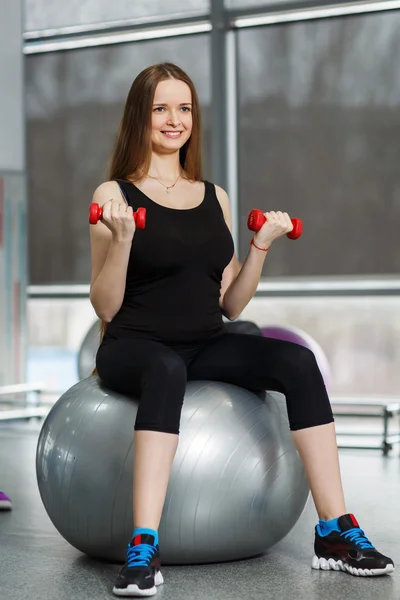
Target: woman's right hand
119, 219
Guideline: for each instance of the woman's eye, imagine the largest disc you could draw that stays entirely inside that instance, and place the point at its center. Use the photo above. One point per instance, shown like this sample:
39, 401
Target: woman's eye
162, 109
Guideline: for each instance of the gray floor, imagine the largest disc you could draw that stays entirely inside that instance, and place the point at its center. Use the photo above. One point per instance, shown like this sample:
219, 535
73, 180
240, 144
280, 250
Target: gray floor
36, 563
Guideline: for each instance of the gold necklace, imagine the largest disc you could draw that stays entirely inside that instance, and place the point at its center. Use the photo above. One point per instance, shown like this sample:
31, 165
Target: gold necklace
167, 187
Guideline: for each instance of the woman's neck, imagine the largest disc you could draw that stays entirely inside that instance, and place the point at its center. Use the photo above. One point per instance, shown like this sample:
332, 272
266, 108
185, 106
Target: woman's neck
165, 167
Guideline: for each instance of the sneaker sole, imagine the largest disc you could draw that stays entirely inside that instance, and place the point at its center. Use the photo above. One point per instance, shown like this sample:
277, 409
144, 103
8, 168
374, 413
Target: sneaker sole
331, 564
135, 591
5, 505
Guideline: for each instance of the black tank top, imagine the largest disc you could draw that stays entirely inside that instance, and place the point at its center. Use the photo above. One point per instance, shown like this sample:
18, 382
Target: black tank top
174, 272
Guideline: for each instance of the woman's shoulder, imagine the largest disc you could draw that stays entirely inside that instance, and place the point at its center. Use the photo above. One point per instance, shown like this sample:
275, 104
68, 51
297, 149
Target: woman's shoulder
220, 192
221, 195
108, 190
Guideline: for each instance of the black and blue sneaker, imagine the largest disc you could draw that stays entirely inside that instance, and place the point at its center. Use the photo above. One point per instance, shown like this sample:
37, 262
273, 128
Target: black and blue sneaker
340, 545
140, 575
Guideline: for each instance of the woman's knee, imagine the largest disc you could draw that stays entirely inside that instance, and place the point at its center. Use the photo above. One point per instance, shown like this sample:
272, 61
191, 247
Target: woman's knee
300, 361
307, 399
163, 391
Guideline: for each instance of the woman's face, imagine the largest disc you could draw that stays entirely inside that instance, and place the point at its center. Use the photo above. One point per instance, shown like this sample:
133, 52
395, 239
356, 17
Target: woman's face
172, 116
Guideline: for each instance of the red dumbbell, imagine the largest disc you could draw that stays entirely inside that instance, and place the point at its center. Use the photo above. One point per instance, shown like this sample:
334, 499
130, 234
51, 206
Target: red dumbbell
96, 213
257, 219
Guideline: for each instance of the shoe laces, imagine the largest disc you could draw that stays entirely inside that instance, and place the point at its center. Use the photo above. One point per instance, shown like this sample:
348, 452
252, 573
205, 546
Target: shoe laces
140, 555
358, 537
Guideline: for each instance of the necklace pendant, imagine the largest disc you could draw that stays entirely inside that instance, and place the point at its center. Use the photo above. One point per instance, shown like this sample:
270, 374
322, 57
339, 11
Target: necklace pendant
167, 190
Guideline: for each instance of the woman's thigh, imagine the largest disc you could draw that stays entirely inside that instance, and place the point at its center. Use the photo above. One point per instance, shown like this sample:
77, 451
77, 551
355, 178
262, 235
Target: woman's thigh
126, 365
249, 361
261, 363
153, 373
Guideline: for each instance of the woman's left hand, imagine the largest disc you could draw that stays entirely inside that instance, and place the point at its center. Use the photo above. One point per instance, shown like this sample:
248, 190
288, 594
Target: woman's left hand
276, 225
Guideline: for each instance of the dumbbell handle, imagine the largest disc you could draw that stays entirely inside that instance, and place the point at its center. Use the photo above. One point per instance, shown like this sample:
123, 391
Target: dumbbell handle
96, 213
257, 219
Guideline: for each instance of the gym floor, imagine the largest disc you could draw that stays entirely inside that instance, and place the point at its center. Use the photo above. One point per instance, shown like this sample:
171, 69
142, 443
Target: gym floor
37, 563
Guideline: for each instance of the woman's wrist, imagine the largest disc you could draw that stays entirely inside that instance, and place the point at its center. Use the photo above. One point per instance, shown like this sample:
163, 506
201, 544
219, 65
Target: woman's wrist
252, 243
120, 240
261, 245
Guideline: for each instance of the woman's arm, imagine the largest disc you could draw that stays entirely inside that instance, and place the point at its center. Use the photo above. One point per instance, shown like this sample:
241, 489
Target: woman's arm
239, 282
110, 241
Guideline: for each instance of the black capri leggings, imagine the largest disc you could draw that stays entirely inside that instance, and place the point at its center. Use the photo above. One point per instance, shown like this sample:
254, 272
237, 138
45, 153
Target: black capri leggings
157, 375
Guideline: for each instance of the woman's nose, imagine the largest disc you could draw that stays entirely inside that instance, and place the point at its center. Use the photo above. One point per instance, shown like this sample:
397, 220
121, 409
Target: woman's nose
173, 119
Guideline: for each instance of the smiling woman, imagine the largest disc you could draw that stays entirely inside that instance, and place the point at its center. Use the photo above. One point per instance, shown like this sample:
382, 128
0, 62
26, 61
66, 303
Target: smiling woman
162, 291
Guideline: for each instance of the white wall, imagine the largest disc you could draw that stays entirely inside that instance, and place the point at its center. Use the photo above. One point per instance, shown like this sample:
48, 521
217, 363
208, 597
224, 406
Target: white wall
12, 196
12, 155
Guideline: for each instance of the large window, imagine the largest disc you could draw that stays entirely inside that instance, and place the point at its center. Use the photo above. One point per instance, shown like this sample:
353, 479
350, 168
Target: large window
74, 104
243, 4
319, 126
42, 14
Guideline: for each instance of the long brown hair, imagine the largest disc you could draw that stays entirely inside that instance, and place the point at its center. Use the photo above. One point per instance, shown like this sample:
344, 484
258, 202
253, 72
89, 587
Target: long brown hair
131, 156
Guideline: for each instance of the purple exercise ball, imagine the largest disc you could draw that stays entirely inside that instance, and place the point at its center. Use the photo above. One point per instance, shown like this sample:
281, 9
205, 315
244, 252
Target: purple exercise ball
298, 336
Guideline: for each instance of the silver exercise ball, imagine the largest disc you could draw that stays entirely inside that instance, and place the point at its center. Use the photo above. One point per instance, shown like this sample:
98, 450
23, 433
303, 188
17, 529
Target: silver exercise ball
87, 352
237, 485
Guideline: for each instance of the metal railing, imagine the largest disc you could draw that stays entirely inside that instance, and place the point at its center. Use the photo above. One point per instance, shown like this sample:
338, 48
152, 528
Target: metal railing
383, 407
291, 286
12, 409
